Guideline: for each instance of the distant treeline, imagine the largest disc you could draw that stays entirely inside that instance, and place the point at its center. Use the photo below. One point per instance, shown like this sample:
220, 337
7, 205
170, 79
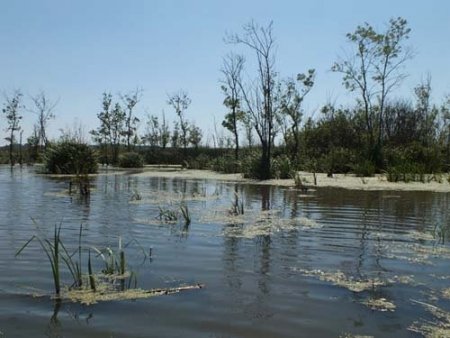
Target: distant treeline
264, 133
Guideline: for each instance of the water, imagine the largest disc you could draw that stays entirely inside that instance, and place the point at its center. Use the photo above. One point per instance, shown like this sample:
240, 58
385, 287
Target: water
262, 283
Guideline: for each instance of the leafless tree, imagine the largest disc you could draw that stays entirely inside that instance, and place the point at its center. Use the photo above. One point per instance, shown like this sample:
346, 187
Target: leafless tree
44, 109
260, 95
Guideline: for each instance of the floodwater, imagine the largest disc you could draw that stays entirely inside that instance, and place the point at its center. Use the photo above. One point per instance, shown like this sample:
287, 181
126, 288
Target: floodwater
291, 266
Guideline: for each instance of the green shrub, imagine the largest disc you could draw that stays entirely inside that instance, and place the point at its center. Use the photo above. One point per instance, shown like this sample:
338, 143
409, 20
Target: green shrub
131, 160
407, 172
69, 157
364, 168
282, 167
225, 164
202, 161
251, 165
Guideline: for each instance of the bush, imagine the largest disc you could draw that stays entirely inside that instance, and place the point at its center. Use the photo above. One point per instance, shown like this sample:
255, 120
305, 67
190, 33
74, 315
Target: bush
407, 172
364, 168
70, 157
225, 164
251, 165
202, 161
282, 167
131, 160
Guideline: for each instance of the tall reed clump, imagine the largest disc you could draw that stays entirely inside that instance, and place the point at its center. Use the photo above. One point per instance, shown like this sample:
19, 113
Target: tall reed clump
57, 252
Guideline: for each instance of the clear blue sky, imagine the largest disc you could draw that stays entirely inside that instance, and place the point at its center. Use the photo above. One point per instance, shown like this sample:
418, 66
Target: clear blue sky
75, 50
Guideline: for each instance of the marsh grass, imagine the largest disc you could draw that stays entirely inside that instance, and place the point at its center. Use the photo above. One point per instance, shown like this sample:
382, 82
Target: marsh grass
167, 215
186, 214
55, 252
114, 282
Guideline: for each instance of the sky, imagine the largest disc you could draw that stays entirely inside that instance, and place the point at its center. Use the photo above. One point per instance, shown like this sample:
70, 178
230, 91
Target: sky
76, 50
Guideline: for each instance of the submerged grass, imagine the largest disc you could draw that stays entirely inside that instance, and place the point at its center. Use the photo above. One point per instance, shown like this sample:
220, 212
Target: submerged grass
52, 251
339, 278
379, 304
94, 287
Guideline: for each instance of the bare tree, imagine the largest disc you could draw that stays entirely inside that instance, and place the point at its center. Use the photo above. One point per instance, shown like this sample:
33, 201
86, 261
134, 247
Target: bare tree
44, 109
260, 95
231, 70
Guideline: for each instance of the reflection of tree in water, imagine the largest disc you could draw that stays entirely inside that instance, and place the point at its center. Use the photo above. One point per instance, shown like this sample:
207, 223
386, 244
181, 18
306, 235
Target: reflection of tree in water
259, 306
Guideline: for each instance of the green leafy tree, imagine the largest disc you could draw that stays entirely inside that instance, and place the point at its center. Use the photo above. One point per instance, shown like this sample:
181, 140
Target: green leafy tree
180, 102
152, 136
195, 135
374, 70
118, 117
130, 101
292, 97
164, 132
103, 134
231, 70
12, 109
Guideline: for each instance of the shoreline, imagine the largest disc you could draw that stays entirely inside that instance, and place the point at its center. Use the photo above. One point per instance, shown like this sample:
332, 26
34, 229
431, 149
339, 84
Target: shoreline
344, 181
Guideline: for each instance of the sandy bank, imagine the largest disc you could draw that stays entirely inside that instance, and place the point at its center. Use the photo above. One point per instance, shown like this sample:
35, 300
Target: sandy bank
338, 180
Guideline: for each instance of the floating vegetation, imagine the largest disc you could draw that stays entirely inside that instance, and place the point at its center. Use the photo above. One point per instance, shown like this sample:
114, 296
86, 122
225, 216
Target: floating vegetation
349, 335
91, 288
379, 304
167, 197
266, 224
406, 279
106, 292
168, 215
257, 223
415, 252
439, 328
419, 235
446, 293
56, 252
339, 278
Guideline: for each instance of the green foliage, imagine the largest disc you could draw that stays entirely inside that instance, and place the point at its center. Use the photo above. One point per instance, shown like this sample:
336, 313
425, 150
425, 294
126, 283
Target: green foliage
131, 160
202, 161
225, 164
282, 167
364, 168
407, 172
338, 160
69, 157
251, 165
55, 251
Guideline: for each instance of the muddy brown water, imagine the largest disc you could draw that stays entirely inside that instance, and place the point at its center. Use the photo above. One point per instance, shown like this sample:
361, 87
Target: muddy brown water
257, 283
